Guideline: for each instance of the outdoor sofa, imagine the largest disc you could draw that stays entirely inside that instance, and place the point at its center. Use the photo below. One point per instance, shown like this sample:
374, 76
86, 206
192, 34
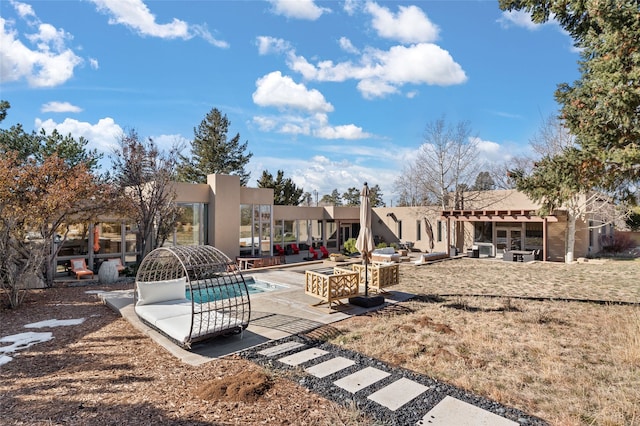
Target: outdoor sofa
386, 254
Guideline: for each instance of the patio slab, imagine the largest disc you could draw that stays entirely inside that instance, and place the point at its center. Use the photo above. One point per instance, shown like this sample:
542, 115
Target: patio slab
274, 315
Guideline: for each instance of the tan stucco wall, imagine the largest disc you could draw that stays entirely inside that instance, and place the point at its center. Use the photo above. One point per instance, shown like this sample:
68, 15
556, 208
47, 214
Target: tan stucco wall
386, 227
224, 213
255, 195
191, 192
296, 212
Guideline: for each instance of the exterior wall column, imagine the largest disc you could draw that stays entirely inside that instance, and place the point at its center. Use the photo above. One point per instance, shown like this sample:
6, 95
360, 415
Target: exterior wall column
448, 236
544, 239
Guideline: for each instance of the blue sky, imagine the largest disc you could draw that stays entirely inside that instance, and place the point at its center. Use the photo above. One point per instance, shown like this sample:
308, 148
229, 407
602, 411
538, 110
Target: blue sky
334, 93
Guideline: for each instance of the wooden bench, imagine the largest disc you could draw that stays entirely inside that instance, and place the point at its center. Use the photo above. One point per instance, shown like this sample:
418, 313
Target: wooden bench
341, 284
380, 276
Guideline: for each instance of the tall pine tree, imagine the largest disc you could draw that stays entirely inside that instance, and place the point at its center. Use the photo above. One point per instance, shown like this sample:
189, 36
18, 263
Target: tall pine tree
213, 153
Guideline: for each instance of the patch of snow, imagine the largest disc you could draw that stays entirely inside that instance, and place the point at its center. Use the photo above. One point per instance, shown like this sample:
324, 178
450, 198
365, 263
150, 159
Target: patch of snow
55, 323
22, 341
4, 359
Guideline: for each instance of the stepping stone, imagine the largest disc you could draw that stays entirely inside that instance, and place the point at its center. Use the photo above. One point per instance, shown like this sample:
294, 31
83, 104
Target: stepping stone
453, 412
398, 393
361, 379
329, 367
280, 349
302, 357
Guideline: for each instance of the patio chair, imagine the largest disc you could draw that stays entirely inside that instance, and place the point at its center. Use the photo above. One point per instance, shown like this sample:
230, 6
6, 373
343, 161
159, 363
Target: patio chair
279, 249
312, 253
294, 248
325, 252
79, 268
118, 263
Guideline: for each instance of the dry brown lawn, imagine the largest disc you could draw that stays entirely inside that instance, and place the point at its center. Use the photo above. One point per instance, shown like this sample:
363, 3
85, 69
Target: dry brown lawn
561, 342
505, 331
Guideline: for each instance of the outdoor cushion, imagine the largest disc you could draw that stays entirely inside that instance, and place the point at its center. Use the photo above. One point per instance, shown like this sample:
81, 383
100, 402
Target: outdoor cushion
162, 310
160, 291
384, 250
179, 327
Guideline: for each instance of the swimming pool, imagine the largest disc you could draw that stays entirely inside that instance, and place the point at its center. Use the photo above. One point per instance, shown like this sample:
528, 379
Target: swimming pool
225, 292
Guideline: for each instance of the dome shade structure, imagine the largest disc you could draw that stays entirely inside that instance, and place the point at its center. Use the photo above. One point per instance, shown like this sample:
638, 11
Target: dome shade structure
191, 293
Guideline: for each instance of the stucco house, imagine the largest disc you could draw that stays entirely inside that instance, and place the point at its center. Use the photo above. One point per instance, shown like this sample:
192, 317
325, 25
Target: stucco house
243, 221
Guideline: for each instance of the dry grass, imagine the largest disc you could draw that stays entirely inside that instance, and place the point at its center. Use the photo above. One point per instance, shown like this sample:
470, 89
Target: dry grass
550, 340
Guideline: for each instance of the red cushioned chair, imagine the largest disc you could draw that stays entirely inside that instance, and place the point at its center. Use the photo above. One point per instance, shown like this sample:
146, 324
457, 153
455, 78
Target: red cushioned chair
294, 248
312, 253
279, 249
325, 252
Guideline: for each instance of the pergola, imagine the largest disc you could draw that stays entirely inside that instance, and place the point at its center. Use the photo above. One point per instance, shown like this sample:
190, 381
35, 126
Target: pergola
499, 216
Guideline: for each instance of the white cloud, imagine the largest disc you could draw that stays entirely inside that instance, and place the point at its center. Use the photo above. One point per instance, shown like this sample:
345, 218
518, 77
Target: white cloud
489, 151
323, 174
93, 63
376, 88
299, 9
348, 131
268, 45
517, 18
136, 15
103, 135
383, 72
282, 92
60, 107
409, 25
347, 46
351, 6
316, 125
522, 19
47, 62
24, 10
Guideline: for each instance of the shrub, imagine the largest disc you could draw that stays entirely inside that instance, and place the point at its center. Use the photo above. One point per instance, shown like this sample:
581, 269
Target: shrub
617, 243
350, 246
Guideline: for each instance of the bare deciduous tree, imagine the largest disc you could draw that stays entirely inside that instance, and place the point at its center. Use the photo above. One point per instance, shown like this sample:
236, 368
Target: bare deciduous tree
445, 166
144, 175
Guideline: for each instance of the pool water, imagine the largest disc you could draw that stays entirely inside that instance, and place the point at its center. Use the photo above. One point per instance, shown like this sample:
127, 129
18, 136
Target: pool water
226, 292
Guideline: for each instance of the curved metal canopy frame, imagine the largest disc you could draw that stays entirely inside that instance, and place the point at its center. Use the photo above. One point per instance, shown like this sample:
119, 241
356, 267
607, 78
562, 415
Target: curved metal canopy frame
215, 300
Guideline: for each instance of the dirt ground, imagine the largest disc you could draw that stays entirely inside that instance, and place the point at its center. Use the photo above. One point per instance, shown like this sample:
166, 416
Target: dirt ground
500, 330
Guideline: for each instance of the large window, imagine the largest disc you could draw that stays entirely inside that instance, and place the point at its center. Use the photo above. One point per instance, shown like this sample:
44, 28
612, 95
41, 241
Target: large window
190, 226
109, 237
483, 232
331, 232
533, 236
255, 230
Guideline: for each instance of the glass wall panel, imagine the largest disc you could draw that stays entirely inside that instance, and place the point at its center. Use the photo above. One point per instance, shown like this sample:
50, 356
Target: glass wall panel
246, 220
533, 236
189, 229
265, 229
331, 231
77, 241
110, 237
483, 232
